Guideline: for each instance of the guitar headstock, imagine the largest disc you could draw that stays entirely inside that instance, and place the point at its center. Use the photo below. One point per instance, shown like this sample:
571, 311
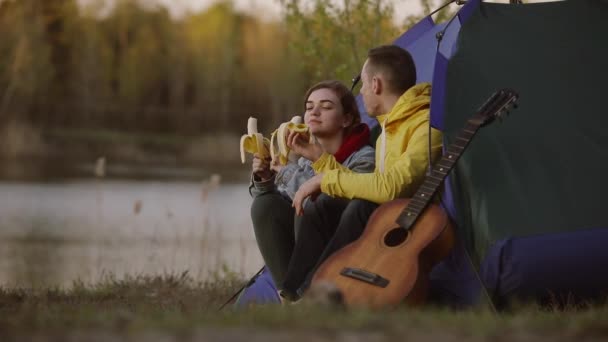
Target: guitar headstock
497, 106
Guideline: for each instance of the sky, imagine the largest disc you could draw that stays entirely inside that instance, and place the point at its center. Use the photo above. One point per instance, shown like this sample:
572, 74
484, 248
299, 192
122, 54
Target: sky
268, 9
271, 9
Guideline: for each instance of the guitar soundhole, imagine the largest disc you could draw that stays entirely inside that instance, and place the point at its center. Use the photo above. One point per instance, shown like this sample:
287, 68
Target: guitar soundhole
395, 237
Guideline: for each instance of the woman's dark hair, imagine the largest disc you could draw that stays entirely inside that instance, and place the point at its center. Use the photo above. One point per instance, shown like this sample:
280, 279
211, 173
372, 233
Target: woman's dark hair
347, 100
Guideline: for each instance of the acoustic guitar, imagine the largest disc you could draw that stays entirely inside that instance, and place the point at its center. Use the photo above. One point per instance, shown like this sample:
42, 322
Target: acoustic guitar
405, 238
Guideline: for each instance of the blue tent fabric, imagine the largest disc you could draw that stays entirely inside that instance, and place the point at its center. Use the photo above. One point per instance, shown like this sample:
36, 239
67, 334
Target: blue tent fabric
419, 42
446, 48
564, 268
549, 269
453, 282
261, 291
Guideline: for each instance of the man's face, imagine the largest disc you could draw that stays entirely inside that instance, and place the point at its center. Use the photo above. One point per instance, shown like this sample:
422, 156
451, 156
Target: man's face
370, 99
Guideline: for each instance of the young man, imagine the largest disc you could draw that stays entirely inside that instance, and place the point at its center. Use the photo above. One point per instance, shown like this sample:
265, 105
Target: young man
339, 215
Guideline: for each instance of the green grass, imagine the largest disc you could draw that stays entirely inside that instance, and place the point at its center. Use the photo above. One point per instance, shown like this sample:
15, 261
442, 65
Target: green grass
175, 304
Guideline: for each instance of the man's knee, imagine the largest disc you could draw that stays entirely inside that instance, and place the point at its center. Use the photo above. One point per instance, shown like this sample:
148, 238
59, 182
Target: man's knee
324, 200
325, 204
359, 210
322, 214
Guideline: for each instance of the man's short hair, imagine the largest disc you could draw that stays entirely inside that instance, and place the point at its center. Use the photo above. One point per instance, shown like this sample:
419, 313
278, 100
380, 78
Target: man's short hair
396, 65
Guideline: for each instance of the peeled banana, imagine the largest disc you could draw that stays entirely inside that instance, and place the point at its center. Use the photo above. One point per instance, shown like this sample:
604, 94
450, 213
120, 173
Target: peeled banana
280, 135
254, 142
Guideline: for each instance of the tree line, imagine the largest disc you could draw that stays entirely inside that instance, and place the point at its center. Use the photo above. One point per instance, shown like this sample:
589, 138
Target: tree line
136, 68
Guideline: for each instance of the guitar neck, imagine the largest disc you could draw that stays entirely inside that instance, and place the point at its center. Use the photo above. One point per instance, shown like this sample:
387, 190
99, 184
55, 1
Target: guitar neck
437, 175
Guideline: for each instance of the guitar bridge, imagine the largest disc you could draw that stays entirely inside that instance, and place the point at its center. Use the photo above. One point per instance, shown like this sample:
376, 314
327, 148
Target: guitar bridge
365, 276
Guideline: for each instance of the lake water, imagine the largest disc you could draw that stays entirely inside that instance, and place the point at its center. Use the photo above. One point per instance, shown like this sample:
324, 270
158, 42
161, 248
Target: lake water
54, 233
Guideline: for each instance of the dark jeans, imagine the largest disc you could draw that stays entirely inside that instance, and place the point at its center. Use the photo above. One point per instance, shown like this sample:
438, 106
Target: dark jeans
327, 225
273, 224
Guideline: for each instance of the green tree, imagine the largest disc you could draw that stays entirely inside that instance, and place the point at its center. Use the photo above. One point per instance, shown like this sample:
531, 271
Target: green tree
212, 39
332, 39
26, 71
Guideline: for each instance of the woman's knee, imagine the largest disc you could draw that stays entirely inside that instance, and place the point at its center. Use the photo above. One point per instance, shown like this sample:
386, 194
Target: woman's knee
264, 205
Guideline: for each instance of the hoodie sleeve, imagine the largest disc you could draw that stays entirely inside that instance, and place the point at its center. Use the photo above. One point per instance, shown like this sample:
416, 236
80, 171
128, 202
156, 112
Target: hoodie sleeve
399, 180
259, 187
327, 162
360, 161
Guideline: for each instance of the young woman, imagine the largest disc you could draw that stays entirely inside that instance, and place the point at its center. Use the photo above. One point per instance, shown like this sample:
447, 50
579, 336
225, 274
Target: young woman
332, 116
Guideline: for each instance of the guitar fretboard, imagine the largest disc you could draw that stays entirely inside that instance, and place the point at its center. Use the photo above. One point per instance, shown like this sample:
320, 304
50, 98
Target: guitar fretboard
494, 107
439, 172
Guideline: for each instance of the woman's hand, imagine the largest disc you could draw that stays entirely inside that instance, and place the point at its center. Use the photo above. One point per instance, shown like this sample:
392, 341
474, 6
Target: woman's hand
276, 166
261, 167
299, 143
312, 188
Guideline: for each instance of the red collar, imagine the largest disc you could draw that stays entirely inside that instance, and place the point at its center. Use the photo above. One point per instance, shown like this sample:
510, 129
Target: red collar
358, 137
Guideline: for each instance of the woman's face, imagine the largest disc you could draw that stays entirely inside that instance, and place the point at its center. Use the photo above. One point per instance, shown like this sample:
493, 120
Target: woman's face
324, 114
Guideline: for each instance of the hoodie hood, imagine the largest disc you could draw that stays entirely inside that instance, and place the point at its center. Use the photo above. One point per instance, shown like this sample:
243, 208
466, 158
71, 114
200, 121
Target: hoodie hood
412, 101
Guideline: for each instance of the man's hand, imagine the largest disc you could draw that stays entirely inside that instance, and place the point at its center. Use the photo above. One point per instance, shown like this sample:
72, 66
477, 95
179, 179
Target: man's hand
261, 167
312, 188
300, 144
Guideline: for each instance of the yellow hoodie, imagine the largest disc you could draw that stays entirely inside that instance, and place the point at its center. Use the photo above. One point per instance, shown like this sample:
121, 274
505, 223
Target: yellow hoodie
401, 165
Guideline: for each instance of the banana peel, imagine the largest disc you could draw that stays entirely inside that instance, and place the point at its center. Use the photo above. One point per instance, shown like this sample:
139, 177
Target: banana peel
254, 142
282, 151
